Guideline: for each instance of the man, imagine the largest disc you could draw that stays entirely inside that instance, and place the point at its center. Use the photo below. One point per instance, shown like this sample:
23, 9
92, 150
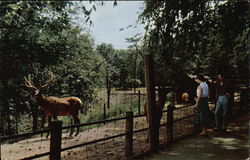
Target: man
221, 111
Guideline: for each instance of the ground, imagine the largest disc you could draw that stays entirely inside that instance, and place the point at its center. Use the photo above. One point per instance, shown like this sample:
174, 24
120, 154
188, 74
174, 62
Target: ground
233, 145
108, 149
212, 147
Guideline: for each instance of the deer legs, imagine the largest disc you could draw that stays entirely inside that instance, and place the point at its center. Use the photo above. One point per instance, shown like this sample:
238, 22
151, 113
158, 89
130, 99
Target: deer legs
49, 122
76, 121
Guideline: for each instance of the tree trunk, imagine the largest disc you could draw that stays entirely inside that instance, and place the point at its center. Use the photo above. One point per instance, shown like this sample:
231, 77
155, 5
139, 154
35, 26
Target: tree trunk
34, 116
108, 91
151, 104
135, 76
2, 125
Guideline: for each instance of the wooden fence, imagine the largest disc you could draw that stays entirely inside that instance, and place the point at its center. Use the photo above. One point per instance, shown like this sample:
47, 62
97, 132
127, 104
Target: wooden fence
173, 116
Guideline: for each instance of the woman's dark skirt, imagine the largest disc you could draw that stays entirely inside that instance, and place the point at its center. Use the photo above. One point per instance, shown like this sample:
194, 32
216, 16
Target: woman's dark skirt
202, 113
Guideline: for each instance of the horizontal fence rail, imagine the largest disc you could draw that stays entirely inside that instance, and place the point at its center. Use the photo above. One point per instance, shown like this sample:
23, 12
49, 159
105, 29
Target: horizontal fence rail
93, 123
26, 135
91, 142
4, 138
94, 141
177, 122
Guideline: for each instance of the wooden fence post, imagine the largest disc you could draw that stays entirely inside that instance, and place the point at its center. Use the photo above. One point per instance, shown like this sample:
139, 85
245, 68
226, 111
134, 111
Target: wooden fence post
139, 102
242, 97
55, 140
150, 85
0, 152
174, 95
2, 125
170, 123
129, 134
104, 111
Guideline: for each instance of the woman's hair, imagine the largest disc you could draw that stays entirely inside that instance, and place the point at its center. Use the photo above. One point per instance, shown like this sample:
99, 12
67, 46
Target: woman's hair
221, 74
200, 77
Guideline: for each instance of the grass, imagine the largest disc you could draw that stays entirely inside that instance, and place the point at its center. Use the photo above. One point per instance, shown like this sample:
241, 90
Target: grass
96, 112
120, 104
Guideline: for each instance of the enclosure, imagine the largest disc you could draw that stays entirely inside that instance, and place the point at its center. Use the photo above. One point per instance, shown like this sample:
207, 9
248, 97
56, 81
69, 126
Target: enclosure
131, 82
113, 138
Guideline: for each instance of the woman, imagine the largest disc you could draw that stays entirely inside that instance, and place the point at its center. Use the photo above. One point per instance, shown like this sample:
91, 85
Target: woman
202, 105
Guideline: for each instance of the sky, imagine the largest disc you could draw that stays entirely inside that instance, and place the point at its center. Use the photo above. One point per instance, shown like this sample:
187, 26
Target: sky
108, 20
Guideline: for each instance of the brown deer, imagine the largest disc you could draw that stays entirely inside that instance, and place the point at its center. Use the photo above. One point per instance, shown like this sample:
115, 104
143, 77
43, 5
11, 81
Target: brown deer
54, 106
185, 97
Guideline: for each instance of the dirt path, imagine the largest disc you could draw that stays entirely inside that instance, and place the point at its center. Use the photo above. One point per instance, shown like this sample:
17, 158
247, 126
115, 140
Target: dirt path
109, 149
233, 145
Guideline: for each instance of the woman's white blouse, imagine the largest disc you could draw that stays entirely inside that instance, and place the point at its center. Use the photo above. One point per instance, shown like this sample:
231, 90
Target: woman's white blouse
204, 87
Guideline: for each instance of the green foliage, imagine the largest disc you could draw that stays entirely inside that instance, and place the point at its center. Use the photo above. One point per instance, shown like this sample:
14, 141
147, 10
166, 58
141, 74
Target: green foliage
223, 43
135, 62
38, 37
41, 37
123, 64
196, 36
123, 68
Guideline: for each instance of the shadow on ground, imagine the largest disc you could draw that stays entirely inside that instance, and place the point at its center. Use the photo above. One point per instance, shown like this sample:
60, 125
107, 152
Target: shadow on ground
233, 145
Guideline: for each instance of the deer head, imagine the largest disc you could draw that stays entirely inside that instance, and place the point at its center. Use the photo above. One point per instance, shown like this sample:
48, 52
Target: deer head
39, 90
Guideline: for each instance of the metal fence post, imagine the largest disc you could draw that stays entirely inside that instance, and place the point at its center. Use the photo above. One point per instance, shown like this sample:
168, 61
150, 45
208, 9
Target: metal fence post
129, 134
55, 140
170, 123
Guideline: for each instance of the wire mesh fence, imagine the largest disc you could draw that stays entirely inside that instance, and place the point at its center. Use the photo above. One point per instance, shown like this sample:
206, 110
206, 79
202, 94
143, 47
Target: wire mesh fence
106, 138
101, 142
25, 145
120, 103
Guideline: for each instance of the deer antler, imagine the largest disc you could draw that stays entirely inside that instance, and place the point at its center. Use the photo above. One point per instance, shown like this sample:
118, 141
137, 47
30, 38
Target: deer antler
28, 82
49, 80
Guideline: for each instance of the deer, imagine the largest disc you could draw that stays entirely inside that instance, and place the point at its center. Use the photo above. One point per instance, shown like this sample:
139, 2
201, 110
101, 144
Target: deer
185, 97
55, 106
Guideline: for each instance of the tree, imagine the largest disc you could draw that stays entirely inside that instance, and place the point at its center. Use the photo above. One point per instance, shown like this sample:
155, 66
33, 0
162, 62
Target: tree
107, 51
136, 56
121, 65
20, 23
228, 38
37, 37
196, 36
